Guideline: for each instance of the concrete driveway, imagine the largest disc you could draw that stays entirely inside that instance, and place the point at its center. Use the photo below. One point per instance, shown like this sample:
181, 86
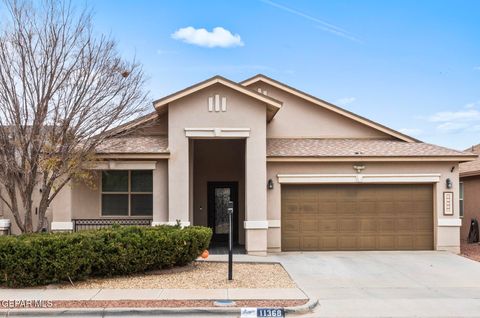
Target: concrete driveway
387, 284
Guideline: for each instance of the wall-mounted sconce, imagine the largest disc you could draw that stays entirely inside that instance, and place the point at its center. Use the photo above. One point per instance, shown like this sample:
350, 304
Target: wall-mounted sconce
448, 183
359, 167
270, 184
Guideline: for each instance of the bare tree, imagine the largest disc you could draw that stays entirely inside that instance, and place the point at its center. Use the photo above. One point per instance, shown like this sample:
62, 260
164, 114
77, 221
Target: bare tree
62, 89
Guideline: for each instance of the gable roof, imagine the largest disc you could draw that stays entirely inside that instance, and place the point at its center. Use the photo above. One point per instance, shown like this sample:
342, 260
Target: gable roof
273, 105
472, 168
329, 106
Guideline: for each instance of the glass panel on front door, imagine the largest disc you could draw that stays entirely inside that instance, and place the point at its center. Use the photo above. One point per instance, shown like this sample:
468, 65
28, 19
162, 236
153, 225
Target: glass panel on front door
222, 197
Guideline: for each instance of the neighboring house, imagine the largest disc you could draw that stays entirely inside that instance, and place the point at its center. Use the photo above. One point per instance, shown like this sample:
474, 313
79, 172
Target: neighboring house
469, 192
303, 174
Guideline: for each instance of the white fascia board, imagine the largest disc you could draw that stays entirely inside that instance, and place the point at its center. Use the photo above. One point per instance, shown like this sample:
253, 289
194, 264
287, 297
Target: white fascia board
217, 132
125, 165
357, 178
61, 226
449, 222
255, 225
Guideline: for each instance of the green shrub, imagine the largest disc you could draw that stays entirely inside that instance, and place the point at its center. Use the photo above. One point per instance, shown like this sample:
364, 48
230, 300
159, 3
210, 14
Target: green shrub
39, 259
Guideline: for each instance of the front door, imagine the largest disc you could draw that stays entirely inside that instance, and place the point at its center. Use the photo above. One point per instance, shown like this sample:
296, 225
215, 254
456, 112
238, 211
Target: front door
219, 194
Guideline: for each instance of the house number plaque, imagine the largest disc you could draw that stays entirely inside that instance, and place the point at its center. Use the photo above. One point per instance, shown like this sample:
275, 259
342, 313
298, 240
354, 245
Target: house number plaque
261, 312
447, 203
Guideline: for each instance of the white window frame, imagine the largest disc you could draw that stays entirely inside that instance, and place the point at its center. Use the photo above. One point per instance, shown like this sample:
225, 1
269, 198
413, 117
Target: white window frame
129, 192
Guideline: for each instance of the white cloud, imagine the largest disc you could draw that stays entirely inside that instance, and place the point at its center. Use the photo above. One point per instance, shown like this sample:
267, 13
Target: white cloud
468, 113
450, 127
477, 68
411, 131
345, 100
218, 37
465, 119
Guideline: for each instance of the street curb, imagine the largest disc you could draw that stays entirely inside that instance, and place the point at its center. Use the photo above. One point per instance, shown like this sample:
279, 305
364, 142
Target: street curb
63, 312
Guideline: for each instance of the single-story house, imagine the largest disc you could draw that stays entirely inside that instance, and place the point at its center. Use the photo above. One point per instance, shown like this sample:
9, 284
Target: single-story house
302, 173
469, 192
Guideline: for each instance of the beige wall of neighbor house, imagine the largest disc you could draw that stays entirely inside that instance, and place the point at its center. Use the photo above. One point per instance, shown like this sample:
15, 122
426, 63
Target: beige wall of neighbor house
447, 228
218, 161
5, 212
471, 199
299, 118
240, 112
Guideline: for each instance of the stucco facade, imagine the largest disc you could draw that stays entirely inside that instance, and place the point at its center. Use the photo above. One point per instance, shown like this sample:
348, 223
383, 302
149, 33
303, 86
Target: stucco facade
219, 131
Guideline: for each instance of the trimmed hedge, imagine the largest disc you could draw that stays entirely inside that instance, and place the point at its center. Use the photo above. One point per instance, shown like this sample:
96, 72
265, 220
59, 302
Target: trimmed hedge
40, 259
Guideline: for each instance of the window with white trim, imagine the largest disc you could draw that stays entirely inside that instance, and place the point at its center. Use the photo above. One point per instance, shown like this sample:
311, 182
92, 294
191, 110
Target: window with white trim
127, 193
461, 200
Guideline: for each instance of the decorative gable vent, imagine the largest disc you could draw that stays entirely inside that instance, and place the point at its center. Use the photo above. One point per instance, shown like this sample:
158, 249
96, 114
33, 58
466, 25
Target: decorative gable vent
261, 91
216, 103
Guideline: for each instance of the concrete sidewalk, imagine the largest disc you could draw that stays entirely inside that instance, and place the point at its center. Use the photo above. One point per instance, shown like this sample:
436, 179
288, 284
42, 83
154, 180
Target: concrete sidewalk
153, 294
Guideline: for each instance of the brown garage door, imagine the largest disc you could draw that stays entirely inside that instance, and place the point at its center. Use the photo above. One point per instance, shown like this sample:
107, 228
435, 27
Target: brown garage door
357, 217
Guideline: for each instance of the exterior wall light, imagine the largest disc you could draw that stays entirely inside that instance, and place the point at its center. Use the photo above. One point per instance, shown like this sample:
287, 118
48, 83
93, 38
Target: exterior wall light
270, 184
448, 183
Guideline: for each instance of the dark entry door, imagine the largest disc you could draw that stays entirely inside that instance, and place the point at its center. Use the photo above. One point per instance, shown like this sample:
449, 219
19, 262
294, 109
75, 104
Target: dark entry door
219, 194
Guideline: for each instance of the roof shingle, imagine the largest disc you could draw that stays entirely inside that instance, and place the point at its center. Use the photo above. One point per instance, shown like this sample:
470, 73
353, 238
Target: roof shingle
134, 144
473, 167
312, 147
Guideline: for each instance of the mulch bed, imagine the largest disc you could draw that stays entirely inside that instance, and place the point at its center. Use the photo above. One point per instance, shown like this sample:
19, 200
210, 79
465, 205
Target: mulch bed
471, 251
171, 303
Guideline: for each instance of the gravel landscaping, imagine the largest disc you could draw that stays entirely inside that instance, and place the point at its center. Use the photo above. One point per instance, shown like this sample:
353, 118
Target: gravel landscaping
471, 251
199, 275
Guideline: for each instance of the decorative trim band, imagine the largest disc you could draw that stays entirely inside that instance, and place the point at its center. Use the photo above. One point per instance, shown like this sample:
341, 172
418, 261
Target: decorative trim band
449, 222
358, 178
273, 223
182, 223
125, 165
255, 225
61, 226
217, 132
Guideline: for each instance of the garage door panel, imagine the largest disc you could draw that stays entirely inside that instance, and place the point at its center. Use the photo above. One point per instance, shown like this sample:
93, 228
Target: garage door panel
346, 207
357, 217
307, 225
291, 226
326, 225
291, 243
386, 225
309, 208
386, 242
405, 242
367, 242
348, 225
310, 243
328, 243
368, 225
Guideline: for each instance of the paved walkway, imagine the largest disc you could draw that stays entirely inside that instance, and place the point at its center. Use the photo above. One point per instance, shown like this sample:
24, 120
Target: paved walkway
151, 294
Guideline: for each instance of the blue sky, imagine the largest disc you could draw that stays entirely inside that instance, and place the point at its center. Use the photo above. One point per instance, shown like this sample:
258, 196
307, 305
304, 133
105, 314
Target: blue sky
411, 65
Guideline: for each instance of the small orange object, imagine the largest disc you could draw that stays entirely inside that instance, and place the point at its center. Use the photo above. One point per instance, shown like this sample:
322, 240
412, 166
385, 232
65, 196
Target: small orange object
205, 254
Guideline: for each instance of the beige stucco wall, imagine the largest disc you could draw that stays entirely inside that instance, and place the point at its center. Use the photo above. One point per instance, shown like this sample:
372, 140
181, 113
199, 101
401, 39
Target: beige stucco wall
86, 200
446, 237
300, 118
222, 161
242, 112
